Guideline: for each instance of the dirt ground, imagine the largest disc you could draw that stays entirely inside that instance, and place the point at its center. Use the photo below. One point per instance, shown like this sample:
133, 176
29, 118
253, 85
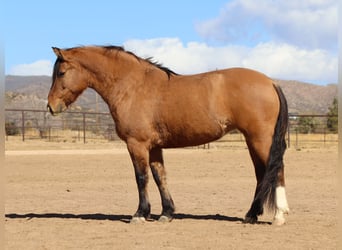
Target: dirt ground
64, 196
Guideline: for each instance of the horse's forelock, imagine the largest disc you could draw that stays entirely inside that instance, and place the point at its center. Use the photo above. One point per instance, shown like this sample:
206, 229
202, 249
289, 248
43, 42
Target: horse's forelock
56, 69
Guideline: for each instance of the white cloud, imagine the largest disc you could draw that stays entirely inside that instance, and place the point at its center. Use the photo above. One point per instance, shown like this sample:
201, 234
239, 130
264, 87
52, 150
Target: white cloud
309, 24
41, 67
277, 60
284, 61
190, 58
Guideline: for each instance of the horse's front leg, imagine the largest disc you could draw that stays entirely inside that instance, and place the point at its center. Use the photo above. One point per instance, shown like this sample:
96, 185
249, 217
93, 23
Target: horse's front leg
140, 158
159, 175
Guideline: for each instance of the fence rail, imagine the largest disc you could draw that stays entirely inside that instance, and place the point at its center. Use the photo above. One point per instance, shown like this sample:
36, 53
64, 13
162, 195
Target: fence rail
39, 124
86, 126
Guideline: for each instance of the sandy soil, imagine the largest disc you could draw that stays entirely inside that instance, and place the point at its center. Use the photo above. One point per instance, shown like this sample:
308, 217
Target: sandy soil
83, 199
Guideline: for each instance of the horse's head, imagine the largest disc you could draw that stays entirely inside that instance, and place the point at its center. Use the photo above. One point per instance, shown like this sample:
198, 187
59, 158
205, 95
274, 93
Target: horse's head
69, 80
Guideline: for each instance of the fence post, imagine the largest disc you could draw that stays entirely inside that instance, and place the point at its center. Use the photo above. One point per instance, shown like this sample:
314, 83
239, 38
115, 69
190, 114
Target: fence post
84, 127
23, 124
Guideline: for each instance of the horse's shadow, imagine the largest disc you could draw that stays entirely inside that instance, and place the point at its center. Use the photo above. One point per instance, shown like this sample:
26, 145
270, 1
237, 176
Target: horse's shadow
119, 217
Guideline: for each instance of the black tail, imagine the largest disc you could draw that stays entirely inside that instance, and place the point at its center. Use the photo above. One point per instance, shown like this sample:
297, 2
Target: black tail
275, 161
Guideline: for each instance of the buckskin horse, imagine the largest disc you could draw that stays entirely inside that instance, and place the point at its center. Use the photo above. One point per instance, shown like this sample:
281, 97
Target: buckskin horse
155, 108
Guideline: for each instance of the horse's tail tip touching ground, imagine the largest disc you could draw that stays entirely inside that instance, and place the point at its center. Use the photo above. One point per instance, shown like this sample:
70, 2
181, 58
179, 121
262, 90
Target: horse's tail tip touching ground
275, 162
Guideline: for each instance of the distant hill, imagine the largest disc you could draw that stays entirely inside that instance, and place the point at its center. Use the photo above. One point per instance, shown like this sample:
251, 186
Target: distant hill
306, 98
28, 84
30, 92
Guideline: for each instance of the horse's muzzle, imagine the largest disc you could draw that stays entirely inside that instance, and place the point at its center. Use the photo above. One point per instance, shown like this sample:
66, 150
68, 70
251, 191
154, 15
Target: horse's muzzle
50, 110
56, 109
54, 112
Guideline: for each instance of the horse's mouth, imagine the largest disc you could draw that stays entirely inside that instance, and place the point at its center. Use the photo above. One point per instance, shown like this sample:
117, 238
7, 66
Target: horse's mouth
51, 110
57, 111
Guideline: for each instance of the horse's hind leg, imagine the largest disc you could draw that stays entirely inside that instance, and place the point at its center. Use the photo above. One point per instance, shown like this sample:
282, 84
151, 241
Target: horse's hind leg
260, 152
159, 175
259, 167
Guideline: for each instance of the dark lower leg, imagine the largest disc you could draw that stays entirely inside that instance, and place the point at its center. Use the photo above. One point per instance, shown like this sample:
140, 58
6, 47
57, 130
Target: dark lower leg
166, 199
256, 208
144, 206
139, 156
159, 175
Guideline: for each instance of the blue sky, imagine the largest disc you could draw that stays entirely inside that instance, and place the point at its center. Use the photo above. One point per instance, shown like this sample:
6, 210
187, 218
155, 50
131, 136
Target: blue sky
32, 27
295, 40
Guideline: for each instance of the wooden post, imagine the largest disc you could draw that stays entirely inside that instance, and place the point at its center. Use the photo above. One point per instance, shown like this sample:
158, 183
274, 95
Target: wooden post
23, 124
84, 128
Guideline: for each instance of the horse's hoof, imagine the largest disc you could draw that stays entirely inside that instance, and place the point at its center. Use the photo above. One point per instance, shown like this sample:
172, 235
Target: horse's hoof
250, 220
279, 218
164, 218
137, 220
278, 221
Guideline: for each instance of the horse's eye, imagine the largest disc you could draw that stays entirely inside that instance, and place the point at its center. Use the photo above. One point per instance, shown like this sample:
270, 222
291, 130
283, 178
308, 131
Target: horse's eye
60, 73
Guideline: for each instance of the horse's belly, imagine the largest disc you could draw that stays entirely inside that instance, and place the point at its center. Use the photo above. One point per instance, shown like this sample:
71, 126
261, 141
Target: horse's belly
191, 135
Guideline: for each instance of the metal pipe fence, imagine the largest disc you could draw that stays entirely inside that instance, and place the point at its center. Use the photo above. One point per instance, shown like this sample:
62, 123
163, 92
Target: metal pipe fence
39, 124
89, 126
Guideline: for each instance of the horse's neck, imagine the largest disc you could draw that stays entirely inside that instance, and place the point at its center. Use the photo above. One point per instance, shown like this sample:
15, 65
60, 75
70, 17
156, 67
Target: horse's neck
113, 80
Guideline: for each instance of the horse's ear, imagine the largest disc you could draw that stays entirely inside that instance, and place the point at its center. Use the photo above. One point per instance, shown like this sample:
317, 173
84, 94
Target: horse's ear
58, 52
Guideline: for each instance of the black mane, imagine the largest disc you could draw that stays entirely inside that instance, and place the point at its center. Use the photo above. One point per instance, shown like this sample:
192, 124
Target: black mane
148, 59
168, 71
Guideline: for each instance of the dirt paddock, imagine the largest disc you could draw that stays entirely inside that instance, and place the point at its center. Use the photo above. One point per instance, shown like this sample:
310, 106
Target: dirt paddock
62, 196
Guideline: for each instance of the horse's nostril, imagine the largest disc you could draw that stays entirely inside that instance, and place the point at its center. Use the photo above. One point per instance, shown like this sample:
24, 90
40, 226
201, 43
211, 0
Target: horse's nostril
50, 109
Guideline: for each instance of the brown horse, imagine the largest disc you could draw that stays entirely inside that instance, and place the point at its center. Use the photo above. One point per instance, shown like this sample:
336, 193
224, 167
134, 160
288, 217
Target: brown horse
155, 108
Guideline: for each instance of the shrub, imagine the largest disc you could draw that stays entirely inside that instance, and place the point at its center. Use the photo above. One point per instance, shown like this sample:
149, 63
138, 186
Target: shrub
332, 121
11, 128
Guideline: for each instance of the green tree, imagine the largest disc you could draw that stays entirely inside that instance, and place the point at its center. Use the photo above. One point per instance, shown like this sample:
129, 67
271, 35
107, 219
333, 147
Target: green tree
332, 121
307, 124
